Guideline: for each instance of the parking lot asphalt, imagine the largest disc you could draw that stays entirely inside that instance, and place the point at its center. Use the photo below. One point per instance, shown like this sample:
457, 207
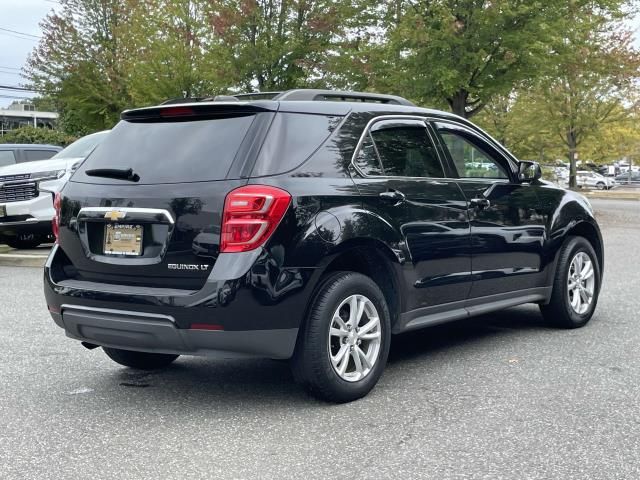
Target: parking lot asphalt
496, 397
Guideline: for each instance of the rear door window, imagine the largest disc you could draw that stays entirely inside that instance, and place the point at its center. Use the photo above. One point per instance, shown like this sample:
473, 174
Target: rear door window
7, 157
169, 151
32, 155
402, 147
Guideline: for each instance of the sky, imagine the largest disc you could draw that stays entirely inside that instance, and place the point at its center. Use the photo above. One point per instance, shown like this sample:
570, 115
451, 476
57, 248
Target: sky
24, 16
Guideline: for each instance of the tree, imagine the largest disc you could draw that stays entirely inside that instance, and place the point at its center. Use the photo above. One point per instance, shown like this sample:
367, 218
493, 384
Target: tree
593, 76
79, 61
279, 44
468, 51
174, 52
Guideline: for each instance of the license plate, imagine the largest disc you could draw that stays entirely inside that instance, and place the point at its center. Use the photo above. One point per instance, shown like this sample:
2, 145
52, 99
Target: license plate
122, 239
3, 211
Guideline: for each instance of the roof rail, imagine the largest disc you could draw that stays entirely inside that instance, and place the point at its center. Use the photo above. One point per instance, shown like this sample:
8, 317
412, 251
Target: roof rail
340, 95
301, 94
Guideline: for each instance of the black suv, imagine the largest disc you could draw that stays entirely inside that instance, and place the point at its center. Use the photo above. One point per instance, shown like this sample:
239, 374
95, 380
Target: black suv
311, 227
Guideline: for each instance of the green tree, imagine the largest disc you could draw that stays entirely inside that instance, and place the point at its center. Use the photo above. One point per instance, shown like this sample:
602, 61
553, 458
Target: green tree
592, 79
80, 61
466, 52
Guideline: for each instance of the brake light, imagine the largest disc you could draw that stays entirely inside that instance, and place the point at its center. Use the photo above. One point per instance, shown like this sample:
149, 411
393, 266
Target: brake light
177, 112
55, 223
251, 214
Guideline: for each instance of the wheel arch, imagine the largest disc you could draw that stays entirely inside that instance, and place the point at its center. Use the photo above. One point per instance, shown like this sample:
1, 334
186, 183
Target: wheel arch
377, 261
589, 232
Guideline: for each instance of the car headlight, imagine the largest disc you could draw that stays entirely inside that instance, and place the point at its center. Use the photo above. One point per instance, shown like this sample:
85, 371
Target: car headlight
50, 174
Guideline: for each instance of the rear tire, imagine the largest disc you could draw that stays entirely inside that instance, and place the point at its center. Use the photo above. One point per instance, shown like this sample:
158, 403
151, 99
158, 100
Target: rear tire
575, 290
339, 357
139, 360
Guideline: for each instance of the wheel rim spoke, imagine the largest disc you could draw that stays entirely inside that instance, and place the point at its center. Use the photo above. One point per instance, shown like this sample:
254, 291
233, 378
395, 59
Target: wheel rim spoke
363, 357
370, 336
357, 361
373, 323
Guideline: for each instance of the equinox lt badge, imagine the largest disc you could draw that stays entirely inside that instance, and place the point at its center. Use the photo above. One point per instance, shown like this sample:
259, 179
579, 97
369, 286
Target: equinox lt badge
187, 266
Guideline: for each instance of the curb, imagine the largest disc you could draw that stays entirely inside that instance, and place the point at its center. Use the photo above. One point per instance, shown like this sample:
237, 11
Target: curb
619, 196
17, 260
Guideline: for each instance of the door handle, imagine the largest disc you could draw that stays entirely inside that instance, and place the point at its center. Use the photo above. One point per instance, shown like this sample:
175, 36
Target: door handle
393, 196
480, 203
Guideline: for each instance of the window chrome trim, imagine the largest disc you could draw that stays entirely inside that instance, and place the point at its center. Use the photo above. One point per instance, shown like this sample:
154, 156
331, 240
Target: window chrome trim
367, 130
148, 211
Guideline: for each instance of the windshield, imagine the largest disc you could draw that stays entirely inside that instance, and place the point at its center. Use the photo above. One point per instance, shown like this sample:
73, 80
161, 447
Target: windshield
83, 146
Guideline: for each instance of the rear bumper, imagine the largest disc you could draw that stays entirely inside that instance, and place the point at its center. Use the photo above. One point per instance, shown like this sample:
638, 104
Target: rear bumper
248, 307
158, 334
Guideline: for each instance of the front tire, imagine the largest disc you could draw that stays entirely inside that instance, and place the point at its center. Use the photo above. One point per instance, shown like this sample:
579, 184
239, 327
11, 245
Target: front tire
343, 346
576, 285
600, 186
139, 360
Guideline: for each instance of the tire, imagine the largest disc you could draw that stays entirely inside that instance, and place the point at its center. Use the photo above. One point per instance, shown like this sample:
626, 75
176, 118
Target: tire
600, 186
139, 360
24, 242
311, 363
559, 311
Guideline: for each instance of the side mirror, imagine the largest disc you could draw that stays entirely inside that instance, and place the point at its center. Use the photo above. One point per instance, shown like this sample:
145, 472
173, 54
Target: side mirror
529, 171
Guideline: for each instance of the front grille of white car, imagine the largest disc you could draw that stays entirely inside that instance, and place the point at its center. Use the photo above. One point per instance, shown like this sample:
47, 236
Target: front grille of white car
18, 192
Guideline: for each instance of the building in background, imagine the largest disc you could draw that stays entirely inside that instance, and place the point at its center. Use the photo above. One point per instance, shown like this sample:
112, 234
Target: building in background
23, 113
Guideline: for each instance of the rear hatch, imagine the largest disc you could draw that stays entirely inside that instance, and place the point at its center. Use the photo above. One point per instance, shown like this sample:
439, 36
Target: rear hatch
145, 208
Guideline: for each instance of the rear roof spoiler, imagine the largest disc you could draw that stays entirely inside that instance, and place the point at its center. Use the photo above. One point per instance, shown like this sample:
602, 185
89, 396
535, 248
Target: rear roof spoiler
184, 110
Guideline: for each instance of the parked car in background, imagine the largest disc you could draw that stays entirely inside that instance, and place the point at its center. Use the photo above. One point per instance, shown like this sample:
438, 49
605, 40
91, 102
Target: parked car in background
26, 201
632, 178
310, 227
590, 179
12, 153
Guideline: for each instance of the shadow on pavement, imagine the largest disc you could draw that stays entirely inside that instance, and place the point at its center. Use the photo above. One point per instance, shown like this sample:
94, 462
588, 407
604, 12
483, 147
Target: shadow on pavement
192, 381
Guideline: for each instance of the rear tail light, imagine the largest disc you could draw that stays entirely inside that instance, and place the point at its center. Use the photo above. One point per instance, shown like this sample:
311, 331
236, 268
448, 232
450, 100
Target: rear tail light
251, 214
55, 223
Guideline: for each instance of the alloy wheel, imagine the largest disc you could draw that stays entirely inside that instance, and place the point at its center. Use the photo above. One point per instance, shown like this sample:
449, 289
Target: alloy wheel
354, 338
581, 283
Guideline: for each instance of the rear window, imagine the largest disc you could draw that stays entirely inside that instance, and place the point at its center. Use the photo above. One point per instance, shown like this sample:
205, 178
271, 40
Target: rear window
169, 152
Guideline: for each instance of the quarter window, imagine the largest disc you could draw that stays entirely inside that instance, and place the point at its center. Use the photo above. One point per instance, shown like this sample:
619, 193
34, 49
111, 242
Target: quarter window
399, 148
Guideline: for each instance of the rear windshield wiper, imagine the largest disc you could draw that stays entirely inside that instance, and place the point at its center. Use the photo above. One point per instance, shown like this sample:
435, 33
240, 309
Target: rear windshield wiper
119, 173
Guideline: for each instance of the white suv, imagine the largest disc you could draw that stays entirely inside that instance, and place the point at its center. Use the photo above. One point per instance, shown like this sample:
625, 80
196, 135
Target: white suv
26, 202
587, 178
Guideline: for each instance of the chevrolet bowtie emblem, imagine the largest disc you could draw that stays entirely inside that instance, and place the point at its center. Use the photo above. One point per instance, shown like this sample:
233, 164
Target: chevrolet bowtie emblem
115, 215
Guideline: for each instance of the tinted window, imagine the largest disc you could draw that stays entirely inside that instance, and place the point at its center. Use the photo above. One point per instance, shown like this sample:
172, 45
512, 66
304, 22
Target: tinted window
83, 146
170, 152
470, 160
7, 158
292, 139
405, 149
367, 159
31, 155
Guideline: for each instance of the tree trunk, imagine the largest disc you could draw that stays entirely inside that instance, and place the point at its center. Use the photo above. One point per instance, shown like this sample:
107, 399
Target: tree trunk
571, 143
458, 103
